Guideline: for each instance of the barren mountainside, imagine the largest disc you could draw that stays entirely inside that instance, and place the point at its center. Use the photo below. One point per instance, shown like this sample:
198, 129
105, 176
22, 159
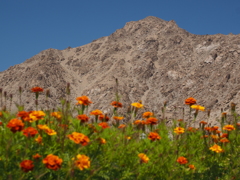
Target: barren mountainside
154, 61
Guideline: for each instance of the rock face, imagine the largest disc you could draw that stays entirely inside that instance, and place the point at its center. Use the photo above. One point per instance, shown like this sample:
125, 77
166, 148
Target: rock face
154, 61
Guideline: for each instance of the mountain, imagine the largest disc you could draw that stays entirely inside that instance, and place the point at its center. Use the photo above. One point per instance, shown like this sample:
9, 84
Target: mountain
154, 61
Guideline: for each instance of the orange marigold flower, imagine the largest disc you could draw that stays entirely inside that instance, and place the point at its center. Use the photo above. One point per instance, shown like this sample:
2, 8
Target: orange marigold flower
192, 129
36, 115
79, 138
29, 132
198, 107
96, 112
153, 136
180, 120
182, 160
39, 139
179, 130
151, 120
24, 115
42, 126
82, 162
84, 100
102, 141
104, 125
83, 118
147, 114
50, 132
103, 117
137, 105
214, 128
216, 148
191, 166
36, 156
143, 157
56, 115
37, 89
15, 125
203, 122
52, 162
121, 126
205, 136
138, 122
116, 104
218, 132
0, 113
190, 101
224, 140
1, 123
224, 135
117, 118
207, 128
27, 165
229, 127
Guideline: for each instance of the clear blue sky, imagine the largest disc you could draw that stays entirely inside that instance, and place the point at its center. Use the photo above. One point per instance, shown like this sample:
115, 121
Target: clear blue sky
30, 26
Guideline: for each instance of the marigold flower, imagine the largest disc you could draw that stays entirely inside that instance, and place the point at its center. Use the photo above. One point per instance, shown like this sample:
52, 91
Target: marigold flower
191, 166
137, 105
182, 160
190, 101
82, 162
96, 112
1, 123
147, 114
29, 132
192, 129
15, 125
83, 118
203, 122
224, 135
153, 136
205, 136
56, 115
37, 89
42, 126
36, 156
50, 132
214, 128
84, 100
151, 120
39, 139
102, 141
27, 165
0, 113
79, 138
24, 115
116, 104
143, 157
180, 120
103, 117
207, 128
229, 127
36, 115
104, 125
198, 107
216, 148
52, 162
179, 130
224, 140
121, 126
137, 122
117, 118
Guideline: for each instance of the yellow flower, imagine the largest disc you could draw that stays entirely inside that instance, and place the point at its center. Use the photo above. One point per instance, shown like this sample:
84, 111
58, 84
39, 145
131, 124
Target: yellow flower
36, 115
137, 105
198, 107
143, 157
82, 162
216, 148
50, 131
179, 130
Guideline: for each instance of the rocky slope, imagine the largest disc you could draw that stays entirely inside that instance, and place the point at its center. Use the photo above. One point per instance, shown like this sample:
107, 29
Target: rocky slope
154, 61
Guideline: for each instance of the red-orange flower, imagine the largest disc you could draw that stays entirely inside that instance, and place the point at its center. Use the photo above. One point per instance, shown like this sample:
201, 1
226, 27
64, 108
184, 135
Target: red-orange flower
224, 140
83, 118
182, 160
15, 125
24, 115
229, 127
52, 162
203, 122
153, 136
118, 118
103, 117
104, 125
27, 165
39, 140
143, 158
116, 104
191, 166
84, 100
37, 89
82, 162
56, 115
36, 156
147, 114
190, 101
121, 126
152, 120
30, 132
138, 122
224, 135
79, 138
96, 112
